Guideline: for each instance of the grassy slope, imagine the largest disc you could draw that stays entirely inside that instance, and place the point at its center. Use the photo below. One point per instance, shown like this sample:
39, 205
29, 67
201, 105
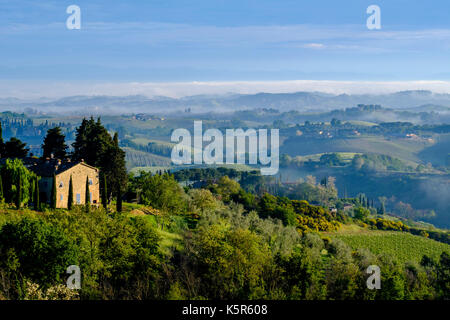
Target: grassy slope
137, 158
404, 246
403, 149
168, 241
437, 153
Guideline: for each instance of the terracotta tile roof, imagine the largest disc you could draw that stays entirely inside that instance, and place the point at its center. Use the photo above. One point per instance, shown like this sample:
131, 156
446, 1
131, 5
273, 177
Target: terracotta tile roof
48, 167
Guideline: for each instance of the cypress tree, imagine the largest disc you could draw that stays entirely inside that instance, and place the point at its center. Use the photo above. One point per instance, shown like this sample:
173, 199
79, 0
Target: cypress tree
53, 194
87, 196
19, 192
382, 208
70, 196
119, 200
36, 201
1, 190
2, 143
104, 192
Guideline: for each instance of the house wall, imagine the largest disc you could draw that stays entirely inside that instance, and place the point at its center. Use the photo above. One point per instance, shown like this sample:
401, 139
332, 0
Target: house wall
45, 188
79, 173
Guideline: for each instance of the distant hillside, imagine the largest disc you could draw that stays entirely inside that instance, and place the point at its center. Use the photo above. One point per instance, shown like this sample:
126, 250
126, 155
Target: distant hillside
439, 153
137, 158
398, 148
301, 101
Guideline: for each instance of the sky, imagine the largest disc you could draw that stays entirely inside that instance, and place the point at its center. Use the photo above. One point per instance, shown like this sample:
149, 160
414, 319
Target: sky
181, 47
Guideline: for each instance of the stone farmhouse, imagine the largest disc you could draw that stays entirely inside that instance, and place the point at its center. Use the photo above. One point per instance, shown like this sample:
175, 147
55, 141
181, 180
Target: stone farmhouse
63, 170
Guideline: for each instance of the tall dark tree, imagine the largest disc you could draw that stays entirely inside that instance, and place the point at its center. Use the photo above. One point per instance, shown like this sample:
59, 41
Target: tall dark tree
70, 197
53, 193
36, 200
382, 209
19, 193
2, 143
115, 167
119, 200
87, 196
94, 144
54, 143
92, 141
80, 145
14, 148
104, 191
1, 189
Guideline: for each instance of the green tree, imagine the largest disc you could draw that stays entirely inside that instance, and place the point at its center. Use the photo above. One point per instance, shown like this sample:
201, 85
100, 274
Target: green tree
104, 191
1, 188
277, 208
382, 209
231, 263
36, 200
70, 196
87, 196
2, 143
18, 199
331, 159
203, 200
119, 200
302, 273
53, 193
54, 143
12, 172
361, 213
226, 188
95, 146
42, 250
14, 148
162, 192
443, 276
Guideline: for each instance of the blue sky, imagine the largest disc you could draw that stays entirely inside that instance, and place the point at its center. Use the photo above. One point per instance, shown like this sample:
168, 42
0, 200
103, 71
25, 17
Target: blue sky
168, 41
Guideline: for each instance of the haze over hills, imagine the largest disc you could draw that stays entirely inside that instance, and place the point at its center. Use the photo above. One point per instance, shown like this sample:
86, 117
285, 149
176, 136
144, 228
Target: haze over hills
415, 101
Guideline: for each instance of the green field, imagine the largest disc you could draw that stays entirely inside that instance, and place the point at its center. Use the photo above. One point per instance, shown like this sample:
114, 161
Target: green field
403, 149
403, 246
145, 141
137, 158
438, 153
173, 168
345, 156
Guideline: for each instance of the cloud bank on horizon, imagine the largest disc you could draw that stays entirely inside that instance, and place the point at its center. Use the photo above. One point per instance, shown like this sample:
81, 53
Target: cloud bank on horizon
179, 47
36, 90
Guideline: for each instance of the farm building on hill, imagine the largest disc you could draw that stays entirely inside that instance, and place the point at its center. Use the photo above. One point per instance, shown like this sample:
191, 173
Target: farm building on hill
63, 170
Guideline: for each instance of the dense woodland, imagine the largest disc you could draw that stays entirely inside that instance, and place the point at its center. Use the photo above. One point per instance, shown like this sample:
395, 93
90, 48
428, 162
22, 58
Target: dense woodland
230, 245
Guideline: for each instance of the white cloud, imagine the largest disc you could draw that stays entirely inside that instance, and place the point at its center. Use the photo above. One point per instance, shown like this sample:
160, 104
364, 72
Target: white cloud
33, 90
314, 46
